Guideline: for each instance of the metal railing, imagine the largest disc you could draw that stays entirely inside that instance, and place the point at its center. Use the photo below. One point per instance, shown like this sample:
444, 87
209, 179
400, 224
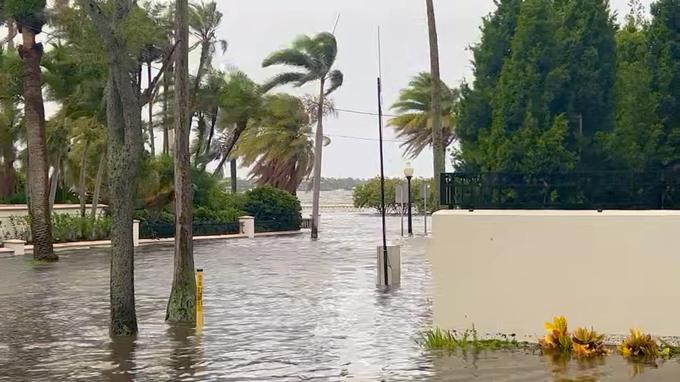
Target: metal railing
160, 230
569, 191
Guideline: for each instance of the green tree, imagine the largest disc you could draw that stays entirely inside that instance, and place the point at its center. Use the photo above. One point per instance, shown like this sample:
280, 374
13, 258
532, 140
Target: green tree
315, 56
204, 19
11, 129
664, 61
240, 101
182, 302
489, 56
635, 142
30, 18
523, 112
414, 123
587, 51
277, 146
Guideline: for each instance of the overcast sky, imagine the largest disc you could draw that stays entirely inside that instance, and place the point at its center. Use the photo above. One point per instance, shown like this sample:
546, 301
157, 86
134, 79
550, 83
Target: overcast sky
255, 28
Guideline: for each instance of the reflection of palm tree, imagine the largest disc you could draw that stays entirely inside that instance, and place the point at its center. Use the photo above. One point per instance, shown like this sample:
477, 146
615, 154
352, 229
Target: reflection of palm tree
315, 56
414, 106
277, 145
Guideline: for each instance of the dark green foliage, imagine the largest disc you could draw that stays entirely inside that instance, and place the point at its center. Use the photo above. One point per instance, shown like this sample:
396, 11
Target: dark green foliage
273, 209
65, 228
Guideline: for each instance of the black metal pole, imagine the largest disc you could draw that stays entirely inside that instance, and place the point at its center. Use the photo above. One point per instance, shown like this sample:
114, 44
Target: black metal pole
410, 215
382, 183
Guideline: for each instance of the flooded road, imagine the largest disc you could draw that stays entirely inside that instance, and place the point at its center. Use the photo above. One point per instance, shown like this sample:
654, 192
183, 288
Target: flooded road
279, 309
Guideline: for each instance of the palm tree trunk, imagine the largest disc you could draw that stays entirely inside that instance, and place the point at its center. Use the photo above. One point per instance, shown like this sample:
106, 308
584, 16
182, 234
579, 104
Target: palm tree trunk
54, 182
98, 186
166, 109
234, 178
11, 33
213, 122
152, 138
439, 151
182, 302
239, 128
318, 149
81, 183
41, 225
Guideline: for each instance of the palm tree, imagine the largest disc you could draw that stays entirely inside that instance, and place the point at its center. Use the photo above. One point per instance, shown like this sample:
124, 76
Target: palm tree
240, 101
414, 123
207, 107
204, 19
278, 145
438, 151
182, 302
30, 18
315, 56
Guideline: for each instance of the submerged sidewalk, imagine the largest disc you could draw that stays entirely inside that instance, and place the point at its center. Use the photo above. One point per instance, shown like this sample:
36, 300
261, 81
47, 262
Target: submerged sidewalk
83, 245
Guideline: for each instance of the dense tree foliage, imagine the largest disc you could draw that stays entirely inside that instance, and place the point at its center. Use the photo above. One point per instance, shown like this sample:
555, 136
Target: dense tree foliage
559, 87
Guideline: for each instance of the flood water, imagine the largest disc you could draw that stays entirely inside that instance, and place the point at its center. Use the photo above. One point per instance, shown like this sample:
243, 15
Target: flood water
276, 309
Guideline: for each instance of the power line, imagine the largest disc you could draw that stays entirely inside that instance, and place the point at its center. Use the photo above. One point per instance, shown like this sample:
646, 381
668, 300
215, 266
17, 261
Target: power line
363, 112
362, 138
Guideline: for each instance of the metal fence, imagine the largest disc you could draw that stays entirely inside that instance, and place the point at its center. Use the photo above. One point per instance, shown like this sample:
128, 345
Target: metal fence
159, 230
578, 190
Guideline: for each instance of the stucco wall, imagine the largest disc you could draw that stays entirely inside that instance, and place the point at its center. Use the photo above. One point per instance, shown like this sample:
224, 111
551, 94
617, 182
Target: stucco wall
510, 271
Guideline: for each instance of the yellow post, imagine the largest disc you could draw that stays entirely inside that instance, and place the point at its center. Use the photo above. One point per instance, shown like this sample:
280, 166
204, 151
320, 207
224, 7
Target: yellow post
199, 298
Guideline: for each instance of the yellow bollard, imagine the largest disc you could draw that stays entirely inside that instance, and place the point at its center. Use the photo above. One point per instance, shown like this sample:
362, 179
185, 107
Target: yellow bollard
199, 298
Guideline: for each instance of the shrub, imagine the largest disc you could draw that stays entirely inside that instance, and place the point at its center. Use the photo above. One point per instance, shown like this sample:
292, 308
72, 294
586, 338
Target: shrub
639, 345
587, 343
273, 209
202, 214
558, 338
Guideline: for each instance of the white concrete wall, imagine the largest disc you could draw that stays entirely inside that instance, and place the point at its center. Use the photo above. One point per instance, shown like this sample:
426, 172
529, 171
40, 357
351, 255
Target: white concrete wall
511, 271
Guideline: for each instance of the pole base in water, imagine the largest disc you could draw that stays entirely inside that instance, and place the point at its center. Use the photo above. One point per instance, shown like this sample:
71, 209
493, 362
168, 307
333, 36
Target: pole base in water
393, 266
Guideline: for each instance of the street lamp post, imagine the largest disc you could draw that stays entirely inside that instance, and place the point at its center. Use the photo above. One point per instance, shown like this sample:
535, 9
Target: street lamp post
408, 171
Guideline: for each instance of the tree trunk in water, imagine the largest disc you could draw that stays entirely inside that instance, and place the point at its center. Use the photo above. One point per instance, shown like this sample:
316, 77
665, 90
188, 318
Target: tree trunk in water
182, 302
152, 138
34, 114
124, 149
98, 186
81, 184
438, 149
318, 149
234, 179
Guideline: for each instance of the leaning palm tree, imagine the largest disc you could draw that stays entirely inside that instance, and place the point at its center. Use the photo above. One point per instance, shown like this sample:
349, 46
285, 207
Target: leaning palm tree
240, 102
414, 122
315, 56
438, 151
278, 146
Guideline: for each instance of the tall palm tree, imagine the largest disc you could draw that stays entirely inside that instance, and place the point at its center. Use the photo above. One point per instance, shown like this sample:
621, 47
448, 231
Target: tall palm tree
438, 150
30, 18
278, 145
207, 107
204, 19
315, 57
240, 102
414, 123
182, 301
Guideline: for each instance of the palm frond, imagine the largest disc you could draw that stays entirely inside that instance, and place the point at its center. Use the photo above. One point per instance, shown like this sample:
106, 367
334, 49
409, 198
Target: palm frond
292, 57
336, 79
294, 78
